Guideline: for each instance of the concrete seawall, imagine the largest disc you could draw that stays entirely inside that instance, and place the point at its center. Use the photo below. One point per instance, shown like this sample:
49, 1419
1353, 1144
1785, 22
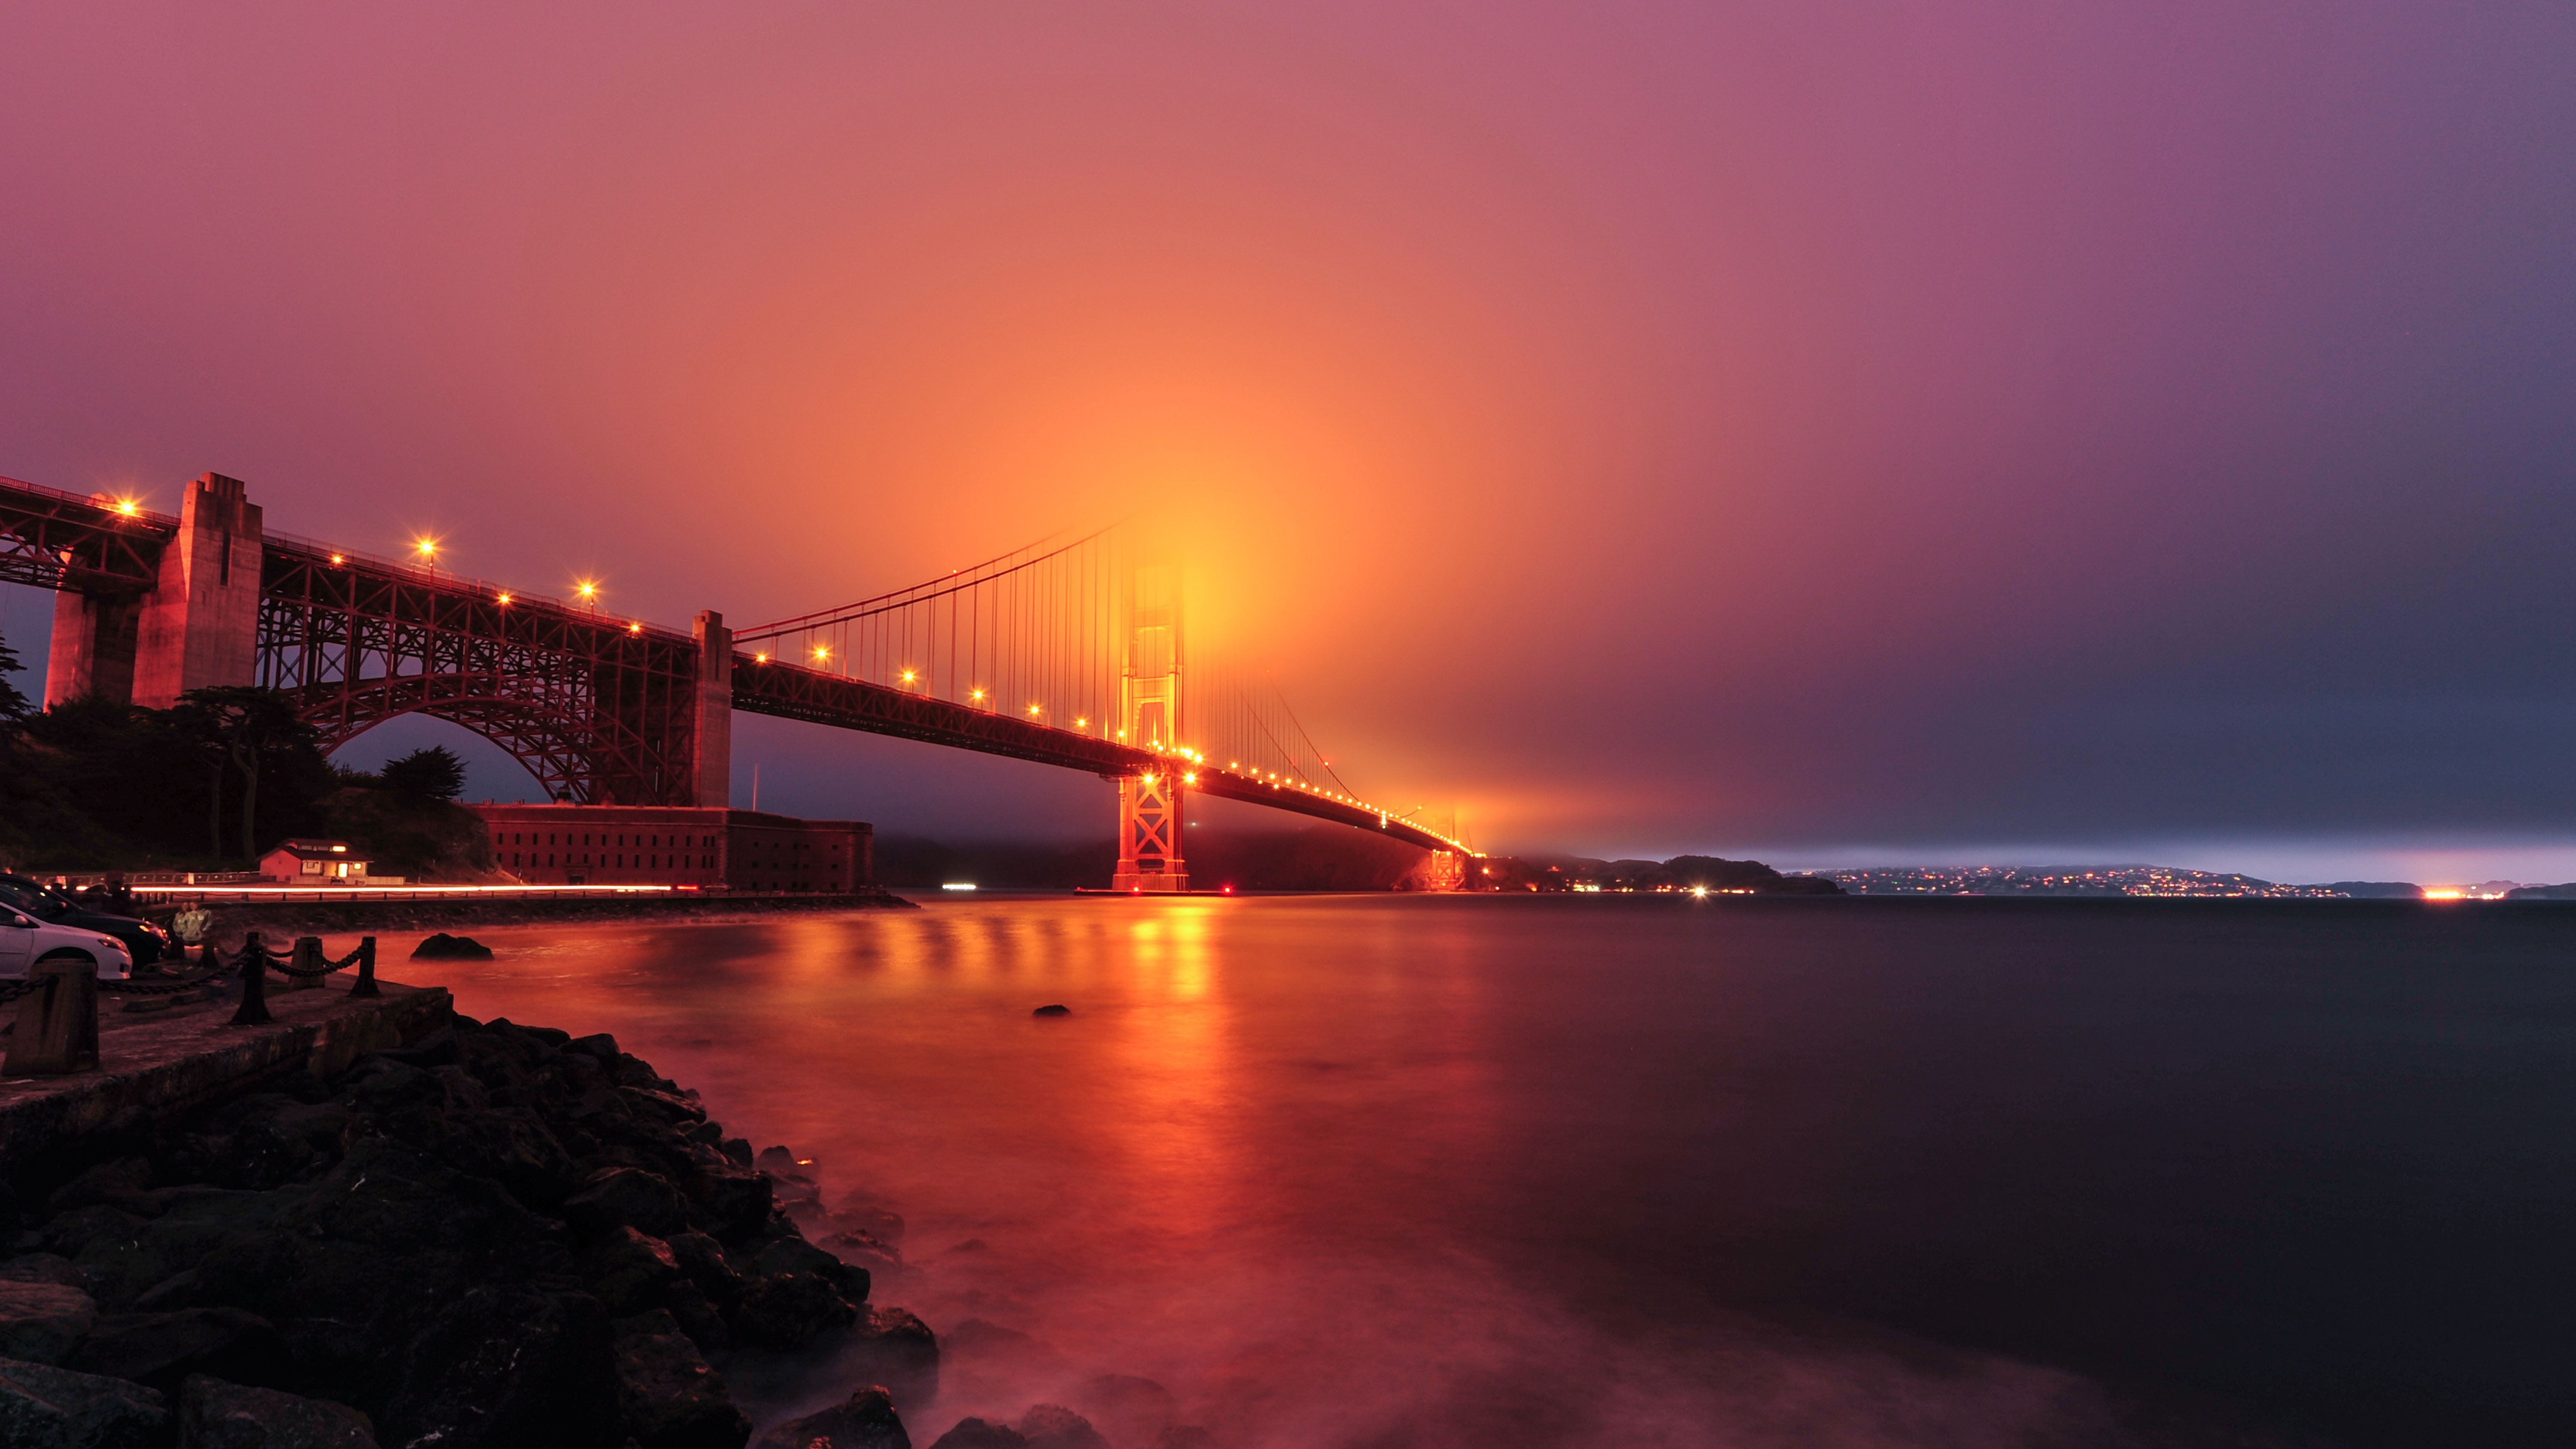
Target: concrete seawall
156, 1064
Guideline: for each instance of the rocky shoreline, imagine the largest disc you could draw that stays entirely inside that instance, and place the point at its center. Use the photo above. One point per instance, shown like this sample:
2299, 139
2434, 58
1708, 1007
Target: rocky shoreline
498, 1237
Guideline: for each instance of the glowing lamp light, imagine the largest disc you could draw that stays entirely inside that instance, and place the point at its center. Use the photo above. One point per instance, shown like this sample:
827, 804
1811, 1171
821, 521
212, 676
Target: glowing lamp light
1149, 779
821, 653
1190, 777
425, 547
760, 659
1080, 723
336, 560
907, 676
1033, 709
636, 628
974, 694
128, 507
1701, 892
503, 599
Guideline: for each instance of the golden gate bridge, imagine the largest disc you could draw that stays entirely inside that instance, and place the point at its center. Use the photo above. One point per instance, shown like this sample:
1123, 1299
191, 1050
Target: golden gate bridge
1071, 652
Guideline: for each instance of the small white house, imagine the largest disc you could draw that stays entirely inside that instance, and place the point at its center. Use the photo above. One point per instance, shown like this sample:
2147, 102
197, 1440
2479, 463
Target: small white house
313, 862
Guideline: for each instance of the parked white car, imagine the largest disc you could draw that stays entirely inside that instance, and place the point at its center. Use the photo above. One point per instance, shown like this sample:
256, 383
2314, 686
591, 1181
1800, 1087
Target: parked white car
24, 941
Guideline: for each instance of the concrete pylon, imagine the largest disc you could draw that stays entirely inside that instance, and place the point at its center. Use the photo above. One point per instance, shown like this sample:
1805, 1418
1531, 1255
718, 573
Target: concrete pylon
712, 715
200, 624
93, 648
1150, 819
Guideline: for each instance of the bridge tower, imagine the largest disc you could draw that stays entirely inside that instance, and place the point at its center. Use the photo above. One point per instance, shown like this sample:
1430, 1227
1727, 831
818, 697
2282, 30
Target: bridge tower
1149, 689
197, 625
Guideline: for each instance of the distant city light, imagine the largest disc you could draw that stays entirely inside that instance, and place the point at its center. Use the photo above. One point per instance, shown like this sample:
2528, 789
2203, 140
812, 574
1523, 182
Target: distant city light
957, 885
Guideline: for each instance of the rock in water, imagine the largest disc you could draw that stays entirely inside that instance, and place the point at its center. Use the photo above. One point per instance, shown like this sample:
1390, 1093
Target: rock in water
1059, 1009
444, 947
1127, 1409
39, 1322
217, 1415
866, 1420
898, 1350
51, 1408
1053, 1426
982, 1434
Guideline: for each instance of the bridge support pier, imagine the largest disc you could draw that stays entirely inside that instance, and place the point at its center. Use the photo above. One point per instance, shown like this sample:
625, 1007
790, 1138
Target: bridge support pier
93, 650
1149, 835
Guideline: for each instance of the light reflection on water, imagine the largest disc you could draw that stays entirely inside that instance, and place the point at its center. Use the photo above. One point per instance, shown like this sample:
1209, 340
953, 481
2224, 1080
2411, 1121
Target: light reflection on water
1396, 1172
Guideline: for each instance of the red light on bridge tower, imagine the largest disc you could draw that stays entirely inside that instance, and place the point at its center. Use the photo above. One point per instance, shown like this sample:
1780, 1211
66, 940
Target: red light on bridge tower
1149, 687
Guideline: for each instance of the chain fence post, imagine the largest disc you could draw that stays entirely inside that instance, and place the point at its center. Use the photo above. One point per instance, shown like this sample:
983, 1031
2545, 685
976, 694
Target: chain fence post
366, 968
254, 975
307, 958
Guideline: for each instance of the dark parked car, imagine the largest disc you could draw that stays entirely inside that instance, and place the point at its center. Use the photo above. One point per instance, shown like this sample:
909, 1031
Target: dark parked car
143, 940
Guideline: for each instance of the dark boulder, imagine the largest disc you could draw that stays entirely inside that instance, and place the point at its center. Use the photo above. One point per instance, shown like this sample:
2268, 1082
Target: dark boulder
50, 1408
39, 1322
795, 1255
791, 1310
441, 946
161, 1349
214, 1414
899, 1351
733, 1200
106, 1183
981, 1434
703, 1259
630, 1272
1058, 1009
865, 1420
625, 1197
671, 1399
504, 1367
1053, 1426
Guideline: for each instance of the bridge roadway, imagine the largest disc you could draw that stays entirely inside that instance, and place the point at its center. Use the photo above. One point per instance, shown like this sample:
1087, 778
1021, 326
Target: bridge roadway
790, 692
499, 661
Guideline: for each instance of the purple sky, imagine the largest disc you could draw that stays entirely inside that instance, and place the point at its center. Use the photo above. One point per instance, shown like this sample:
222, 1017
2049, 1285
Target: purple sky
1838, 432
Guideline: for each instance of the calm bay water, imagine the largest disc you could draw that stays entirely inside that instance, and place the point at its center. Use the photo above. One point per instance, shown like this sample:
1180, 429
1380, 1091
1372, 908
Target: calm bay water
1420, 1172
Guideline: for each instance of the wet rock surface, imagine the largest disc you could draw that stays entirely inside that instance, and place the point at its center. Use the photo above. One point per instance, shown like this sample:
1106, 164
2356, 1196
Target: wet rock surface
866, 1420
497, 1236
42, 1407
214, 1414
